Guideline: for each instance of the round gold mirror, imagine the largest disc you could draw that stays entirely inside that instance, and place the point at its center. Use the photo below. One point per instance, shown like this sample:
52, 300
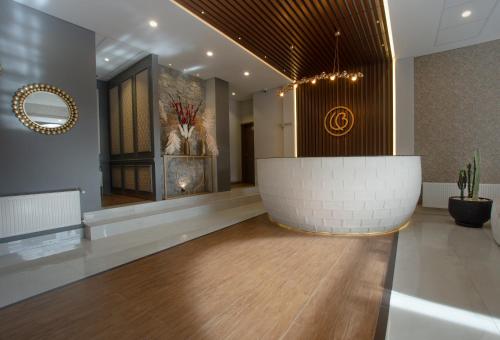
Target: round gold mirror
45, 109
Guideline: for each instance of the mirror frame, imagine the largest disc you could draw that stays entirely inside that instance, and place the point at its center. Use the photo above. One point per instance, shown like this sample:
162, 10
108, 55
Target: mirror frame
18, 108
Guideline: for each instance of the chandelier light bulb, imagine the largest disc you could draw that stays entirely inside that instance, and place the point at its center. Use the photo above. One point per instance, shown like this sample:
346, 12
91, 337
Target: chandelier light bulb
335, 74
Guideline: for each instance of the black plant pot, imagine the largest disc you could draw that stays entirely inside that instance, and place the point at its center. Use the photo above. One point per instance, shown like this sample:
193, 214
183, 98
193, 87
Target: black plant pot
469, 213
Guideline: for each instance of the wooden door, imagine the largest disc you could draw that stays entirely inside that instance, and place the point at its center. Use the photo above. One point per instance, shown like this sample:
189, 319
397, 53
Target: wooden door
247, 154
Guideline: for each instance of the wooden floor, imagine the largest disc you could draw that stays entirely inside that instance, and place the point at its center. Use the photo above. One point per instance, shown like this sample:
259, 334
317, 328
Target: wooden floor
250, 281
115, 199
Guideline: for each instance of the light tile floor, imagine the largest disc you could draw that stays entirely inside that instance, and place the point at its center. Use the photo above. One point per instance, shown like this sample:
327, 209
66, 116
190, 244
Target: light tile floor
446, 281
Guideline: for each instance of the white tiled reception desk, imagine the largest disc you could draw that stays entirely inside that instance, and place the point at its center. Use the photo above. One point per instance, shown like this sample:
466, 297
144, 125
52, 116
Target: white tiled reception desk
340, 194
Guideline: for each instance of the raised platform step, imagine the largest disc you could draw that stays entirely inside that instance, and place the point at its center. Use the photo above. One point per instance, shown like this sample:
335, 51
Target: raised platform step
86, 258
127, 219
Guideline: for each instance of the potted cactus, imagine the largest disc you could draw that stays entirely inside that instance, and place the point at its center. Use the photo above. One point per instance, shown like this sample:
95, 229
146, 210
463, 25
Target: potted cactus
471, 211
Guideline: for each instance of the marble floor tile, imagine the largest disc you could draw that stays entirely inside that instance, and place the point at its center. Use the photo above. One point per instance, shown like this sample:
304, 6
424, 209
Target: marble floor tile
446, 281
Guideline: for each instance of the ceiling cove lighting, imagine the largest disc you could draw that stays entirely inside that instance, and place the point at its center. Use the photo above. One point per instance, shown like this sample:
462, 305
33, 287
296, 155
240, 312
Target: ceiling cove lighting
231, 39
394, 90
246, 73
336, 73
210, 54
466, 14
153, 23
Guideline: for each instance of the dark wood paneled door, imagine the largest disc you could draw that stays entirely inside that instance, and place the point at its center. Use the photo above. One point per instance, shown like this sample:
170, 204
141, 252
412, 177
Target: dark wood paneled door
247, 154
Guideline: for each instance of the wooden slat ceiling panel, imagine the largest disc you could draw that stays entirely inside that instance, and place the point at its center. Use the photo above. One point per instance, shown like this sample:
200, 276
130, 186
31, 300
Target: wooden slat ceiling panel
269, 28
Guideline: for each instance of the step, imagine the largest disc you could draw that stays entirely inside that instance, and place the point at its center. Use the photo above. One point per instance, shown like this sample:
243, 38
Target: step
151, 207
105, 227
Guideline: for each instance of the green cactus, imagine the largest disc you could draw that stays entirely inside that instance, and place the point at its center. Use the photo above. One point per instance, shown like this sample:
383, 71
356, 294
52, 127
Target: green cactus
469, 180
475, 180
462, 182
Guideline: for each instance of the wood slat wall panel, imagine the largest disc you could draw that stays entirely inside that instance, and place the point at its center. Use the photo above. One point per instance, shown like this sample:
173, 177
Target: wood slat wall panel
370, 99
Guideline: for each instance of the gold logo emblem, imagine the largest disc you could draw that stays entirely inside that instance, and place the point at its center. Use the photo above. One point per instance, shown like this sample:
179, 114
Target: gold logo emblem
339, 121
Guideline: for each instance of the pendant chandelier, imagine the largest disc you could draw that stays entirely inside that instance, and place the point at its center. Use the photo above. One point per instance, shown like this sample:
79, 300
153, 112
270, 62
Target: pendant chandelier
332, 76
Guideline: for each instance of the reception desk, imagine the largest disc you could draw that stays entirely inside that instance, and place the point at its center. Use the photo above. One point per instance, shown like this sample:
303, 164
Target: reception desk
340, 195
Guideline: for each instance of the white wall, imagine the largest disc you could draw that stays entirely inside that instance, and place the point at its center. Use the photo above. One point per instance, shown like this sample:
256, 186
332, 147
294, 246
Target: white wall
274, 120
235, 140
405, 135
268, 117
245, 109
289, 140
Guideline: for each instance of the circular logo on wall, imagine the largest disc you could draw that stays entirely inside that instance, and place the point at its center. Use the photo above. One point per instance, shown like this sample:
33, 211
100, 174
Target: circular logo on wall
339, 121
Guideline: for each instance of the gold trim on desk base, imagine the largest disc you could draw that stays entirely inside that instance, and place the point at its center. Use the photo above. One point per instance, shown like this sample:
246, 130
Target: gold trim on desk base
326, 233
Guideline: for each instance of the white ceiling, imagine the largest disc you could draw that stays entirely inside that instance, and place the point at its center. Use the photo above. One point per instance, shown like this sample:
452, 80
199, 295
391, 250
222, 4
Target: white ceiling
123, 34
422, 27
113, 56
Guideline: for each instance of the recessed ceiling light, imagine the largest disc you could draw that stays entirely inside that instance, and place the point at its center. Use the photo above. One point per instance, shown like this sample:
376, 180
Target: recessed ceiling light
239, 38
246, 73
106, 60
466, 14
202, 12
233, 94
170, 65
210, 53
153, 23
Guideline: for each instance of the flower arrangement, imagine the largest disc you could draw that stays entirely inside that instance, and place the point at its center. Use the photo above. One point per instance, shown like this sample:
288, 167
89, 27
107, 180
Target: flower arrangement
186, 115
208, 124
173, 143
188, 120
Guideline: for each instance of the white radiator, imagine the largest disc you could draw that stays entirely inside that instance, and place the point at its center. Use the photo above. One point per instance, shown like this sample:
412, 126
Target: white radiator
435, 195
25, 214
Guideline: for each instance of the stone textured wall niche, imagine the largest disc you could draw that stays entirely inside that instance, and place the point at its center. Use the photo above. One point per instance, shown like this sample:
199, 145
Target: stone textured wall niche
194, 172
191, 89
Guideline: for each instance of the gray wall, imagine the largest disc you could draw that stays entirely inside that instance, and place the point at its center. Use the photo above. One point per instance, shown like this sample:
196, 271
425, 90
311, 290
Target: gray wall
405, 104
217, 100
35, 47
102, 92
457, 110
